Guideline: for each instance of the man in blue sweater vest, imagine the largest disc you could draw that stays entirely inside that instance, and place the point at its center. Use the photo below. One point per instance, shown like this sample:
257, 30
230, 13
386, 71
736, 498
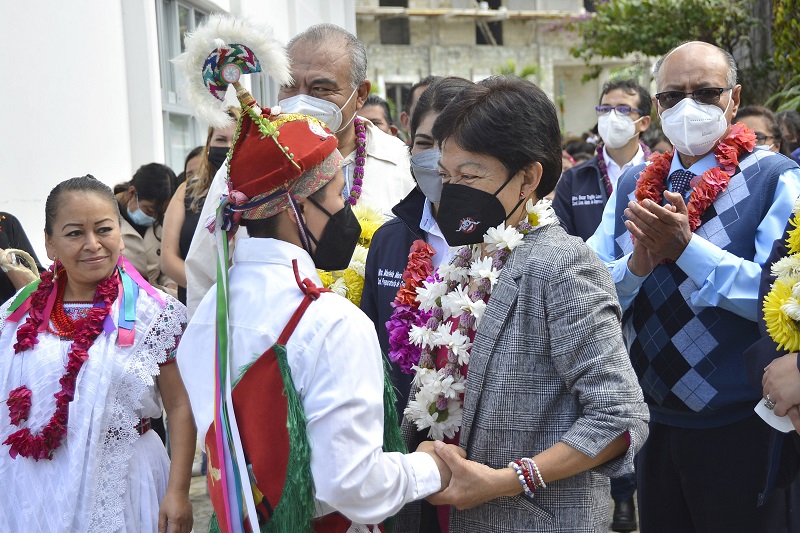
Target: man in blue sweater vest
686, 261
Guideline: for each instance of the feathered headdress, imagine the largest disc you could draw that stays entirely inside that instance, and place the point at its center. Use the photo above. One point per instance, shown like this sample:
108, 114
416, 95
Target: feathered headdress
218, 53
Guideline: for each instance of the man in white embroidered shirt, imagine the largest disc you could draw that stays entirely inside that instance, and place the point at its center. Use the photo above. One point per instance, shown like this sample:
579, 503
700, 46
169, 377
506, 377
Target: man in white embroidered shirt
686, 260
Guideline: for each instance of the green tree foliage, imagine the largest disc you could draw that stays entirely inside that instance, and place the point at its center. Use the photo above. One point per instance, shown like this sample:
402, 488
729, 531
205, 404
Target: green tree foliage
786, 38
510, 69
653, 27
786, 41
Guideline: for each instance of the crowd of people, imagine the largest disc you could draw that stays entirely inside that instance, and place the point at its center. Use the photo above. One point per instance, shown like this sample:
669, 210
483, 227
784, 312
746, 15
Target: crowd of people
563, 335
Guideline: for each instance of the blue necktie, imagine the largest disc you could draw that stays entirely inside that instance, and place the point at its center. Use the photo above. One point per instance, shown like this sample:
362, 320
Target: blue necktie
680, 180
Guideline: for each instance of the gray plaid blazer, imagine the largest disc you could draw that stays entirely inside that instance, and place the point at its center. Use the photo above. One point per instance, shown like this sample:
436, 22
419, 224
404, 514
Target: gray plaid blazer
548, 365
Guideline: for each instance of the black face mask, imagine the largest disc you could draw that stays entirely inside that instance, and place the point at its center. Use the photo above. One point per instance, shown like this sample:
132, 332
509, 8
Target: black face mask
465, 214
338, 241
217, 155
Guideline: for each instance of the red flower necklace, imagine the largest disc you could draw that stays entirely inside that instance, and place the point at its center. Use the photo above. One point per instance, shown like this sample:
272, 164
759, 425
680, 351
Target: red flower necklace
652, 181
361, 158
83, 332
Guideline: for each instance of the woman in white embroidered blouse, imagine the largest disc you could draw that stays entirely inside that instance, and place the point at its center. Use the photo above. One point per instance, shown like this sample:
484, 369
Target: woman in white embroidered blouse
84, 362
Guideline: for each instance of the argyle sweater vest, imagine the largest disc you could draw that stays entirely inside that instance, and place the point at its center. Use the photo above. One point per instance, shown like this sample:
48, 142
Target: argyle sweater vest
689, 358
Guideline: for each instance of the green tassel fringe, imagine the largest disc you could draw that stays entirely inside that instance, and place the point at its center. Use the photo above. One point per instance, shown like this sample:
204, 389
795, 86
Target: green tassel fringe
295, 512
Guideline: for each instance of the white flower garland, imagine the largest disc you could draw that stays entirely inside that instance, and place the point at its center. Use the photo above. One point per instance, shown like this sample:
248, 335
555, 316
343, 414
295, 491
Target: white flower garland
458, 296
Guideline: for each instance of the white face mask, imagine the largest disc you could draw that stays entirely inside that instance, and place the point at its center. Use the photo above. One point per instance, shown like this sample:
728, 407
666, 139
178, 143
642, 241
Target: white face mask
616, 129
692, 128
320, 109
764, 146
425, 168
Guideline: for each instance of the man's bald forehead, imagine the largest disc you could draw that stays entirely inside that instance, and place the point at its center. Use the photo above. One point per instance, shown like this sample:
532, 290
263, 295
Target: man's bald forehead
697, 53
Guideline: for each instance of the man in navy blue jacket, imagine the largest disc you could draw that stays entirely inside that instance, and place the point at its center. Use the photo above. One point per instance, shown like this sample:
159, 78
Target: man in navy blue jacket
623, 114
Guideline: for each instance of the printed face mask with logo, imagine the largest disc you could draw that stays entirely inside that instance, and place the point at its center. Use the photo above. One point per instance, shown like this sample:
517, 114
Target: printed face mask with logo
322, 110
692, 128
465, 214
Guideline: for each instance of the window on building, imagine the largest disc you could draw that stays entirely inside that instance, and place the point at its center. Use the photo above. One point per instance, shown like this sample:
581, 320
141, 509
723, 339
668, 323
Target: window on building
394, 30
398, 93
490, 33
182, 131
588, 5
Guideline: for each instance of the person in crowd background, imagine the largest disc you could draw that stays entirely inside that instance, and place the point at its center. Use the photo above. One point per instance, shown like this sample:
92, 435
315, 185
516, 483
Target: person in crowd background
790, 132
413, 96
87, 461
183, 214
687, 274
655, 139
142, 203
623, 113
764, 124
12, 236
191, 165
376, 110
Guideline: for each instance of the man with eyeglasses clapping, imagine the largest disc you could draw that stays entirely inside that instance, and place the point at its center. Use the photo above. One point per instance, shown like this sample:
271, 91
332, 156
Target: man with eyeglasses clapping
685, 238
623, 113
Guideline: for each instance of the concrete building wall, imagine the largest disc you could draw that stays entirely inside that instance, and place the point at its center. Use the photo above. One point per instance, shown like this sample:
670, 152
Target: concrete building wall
446, 46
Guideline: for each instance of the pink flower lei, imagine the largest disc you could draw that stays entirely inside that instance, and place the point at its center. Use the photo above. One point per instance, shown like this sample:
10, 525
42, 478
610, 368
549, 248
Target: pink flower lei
652, 181
42, 445
361, 158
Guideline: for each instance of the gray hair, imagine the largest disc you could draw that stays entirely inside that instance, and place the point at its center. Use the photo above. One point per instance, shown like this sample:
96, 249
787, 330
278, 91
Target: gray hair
330, 34
730, 77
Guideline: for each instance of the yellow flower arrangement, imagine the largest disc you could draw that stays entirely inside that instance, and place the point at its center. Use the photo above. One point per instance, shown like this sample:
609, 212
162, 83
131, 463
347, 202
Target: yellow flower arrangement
350, 281
782, 304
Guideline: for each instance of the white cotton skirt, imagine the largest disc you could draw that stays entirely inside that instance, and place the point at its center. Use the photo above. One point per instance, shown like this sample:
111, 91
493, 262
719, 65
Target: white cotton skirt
148, 473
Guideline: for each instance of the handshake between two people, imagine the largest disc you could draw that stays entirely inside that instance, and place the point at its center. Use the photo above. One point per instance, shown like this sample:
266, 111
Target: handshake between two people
465, 483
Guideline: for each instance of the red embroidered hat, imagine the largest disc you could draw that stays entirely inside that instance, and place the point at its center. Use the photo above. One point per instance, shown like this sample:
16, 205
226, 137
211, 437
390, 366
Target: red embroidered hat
270, 153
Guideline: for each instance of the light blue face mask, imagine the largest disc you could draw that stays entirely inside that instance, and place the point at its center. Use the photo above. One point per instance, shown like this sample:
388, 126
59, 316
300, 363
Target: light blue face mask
425, 167
139, 217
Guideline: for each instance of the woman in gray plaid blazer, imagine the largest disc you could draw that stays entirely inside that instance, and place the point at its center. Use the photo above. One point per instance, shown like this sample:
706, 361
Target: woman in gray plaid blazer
549, 377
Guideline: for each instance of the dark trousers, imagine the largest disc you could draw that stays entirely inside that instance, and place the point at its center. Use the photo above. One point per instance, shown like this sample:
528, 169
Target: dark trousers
623, 487
708, 480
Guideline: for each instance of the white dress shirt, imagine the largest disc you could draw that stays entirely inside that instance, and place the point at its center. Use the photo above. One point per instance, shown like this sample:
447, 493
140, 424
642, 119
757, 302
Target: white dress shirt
336, 366
387, 170
436, 239
725, 280
615, 171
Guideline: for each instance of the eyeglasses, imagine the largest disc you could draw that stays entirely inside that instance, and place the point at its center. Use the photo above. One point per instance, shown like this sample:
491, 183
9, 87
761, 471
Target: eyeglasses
621, 109
761, 138
709, 95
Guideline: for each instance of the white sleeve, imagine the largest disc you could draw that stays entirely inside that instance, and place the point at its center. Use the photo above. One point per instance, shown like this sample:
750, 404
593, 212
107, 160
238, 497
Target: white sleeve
201, 260
340, 381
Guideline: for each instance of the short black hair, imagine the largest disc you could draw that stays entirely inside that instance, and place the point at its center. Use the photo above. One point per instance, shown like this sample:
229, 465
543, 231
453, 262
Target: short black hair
374, 99
435, 98
87, 183
424, 82
630, 86
771, 119
510, 119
